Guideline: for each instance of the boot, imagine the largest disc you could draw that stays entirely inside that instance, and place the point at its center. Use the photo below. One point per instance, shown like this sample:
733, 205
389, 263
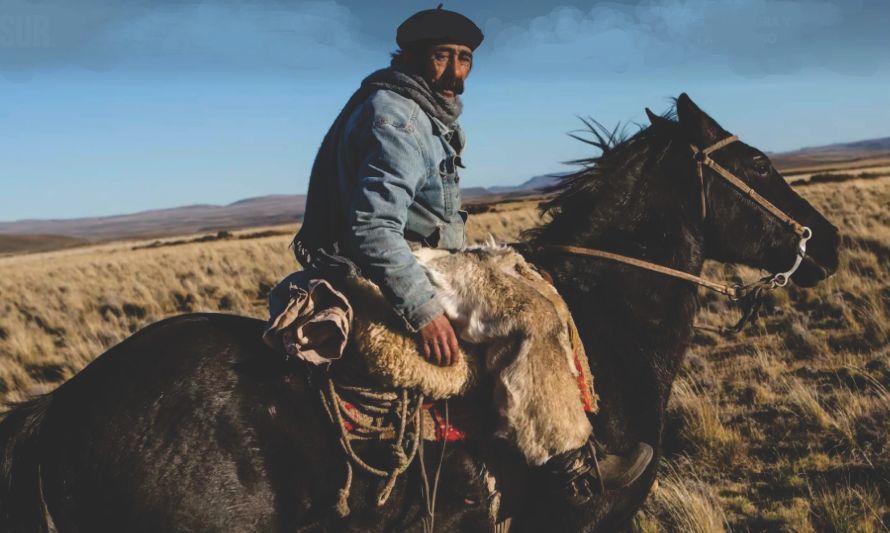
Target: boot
618, 472
580, 473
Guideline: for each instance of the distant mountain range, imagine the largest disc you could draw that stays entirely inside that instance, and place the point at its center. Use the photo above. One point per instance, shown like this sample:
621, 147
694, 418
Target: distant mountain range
277, 209
537, 183
832, 154
252, 212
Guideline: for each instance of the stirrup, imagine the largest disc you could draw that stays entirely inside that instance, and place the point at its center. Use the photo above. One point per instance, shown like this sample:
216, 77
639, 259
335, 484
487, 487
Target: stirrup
593, 446
569, 473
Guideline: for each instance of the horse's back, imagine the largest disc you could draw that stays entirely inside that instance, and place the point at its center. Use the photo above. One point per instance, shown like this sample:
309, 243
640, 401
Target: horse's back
193, 424
179, 428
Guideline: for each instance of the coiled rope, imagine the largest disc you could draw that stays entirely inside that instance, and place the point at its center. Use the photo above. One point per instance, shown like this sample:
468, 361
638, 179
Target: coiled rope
379, 414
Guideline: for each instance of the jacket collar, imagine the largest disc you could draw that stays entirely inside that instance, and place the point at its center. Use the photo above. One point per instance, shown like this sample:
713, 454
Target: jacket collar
454, 135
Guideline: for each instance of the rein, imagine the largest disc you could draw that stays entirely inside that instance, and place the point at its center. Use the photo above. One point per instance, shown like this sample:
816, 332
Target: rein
749, 294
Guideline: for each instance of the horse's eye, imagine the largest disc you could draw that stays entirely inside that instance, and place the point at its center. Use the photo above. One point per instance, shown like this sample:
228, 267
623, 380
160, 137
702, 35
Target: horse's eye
762, 167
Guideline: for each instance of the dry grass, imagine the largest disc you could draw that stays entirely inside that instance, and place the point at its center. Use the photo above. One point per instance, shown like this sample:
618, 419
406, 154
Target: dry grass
61, 309
682, 502
787, 423
802, 400
701, 428
847, 508
781, 428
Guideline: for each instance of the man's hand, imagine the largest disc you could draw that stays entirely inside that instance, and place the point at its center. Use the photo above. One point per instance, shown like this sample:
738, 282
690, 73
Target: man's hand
439, 342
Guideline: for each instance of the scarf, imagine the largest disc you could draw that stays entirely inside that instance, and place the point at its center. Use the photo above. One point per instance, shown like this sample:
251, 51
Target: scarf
411, 85
315, 244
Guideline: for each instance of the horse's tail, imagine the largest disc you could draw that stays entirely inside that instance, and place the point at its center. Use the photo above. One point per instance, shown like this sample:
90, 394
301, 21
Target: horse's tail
22, 507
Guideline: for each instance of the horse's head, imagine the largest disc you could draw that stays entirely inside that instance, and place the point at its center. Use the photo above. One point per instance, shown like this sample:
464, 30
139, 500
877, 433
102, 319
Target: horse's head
736, 228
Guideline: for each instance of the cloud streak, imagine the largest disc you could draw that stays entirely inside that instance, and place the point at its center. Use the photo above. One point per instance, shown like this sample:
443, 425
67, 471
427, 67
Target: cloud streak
241, 37
750, 37
160, 37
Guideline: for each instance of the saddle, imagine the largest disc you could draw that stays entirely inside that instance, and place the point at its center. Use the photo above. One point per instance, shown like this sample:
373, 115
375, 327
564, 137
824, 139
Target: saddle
383, 389
387, 353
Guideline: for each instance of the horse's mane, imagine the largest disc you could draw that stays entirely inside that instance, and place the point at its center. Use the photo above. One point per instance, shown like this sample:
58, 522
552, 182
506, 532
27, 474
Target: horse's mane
600, 190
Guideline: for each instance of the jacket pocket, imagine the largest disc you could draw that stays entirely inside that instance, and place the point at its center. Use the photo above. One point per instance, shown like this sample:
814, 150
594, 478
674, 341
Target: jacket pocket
450, 185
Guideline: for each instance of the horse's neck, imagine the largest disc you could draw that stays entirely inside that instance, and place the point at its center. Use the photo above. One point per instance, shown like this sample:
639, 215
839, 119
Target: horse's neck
636, 324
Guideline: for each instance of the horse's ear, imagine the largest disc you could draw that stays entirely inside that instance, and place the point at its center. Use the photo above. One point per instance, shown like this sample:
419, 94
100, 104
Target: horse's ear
699, 128
656, 120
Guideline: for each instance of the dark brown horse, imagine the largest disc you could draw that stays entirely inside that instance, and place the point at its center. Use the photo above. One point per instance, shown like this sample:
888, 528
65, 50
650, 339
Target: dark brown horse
193, 424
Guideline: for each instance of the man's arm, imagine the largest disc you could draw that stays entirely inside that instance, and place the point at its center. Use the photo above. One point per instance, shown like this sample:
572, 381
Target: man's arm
391, 171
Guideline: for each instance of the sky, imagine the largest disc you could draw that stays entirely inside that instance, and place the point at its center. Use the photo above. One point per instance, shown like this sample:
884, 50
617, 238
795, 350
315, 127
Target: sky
110, 107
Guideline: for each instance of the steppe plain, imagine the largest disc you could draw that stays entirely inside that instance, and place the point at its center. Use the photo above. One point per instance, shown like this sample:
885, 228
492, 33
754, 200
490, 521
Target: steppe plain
783, 427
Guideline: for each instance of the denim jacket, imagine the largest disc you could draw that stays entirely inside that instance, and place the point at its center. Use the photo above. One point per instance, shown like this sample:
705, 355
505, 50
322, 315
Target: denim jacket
398, 185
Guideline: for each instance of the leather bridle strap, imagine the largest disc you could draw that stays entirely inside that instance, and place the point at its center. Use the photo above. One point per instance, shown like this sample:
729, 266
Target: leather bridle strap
702, 158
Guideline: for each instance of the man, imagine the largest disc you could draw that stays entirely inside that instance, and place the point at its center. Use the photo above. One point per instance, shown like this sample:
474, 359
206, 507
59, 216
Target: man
385, 181
385, 178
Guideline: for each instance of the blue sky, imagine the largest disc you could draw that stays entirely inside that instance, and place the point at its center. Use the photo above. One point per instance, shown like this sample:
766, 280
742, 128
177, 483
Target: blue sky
114, 107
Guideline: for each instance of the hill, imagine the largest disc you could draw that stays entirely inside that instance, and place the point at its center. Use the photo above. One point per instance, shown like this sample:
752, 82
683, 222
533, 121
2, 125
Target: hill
36, 243
535, 184
848, 155
251, 212
286, 209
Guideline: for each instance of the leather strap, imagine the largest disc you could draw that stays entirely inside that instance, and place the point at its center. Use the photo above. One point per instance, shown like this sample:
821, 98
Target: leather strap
731, 291
699, 156
703, 158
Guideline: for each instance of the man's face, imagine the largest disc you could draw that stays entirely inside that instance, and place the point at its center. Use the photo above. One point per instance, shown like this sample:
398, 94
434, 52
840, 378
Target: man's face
446, 66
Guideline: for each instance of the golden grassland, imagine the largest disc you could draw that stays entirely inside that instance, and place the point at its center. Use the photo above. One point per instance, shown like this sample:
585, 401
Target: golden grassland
781, 428
59, 310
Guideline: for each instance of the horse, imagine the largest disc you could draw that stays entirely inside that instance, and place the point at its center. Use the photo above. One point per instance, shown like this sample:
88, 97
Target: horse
194, 424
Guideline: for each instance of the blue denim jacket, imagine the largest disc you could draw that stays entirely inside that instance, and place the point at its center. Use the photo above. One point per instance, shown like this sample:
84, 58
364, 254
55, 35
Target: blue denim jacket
398, 183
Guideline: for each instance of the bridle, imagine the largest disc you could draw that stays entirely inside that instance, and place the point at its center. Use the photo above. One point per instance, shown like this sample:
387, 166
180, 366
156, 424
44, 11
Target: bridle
750, 293
702, 158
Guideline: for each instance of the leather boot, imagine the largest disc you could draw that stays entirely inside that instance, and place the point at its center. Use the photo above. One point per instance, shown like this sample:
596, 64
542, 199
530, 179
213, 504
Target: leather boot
579, 474
617, 472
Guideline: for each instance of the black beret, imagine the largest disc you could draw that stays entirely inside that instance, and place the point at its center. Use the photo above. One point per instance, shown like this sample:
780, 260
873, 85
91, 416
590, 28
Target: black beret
438, 25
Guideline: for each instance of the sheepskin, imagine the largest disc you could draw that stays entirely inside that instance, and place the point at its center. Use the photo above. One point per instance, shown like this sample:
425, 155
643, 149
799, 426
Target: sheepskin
389, 352
512, 324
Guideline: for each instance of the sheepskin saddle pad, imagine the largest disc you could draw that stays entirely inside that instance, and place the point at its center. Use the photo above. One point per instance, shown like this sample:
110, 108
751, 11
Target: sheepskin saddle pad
496, 301
384, 348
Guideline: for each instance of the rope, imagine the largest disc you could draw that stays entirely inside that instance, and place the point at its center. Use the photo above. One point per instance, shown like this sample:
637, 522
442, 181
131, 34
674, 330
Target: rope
430, 496
382, 404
